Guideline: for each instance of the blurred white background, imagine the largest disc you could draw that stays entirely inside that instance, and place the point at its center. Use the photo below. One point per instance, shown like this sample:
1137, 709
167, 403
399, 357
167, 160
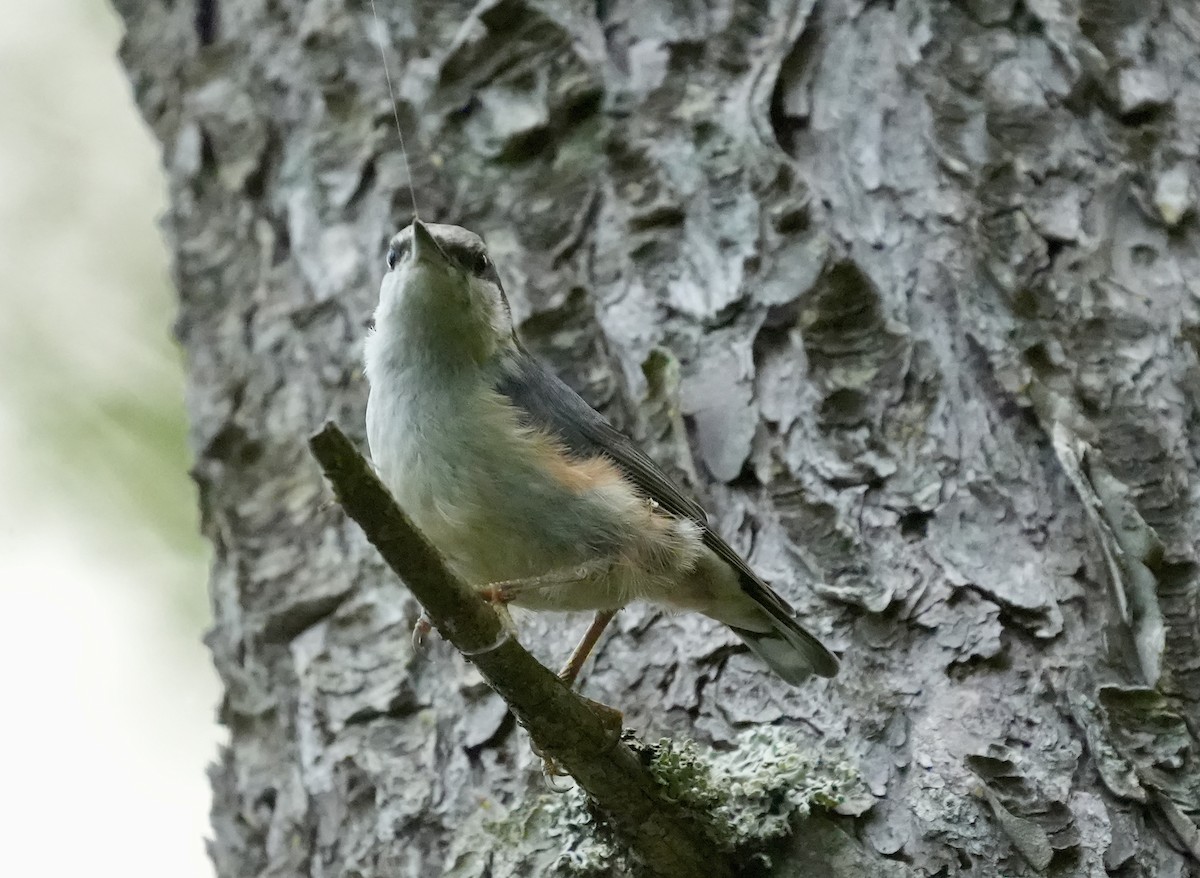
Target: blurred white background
109, 696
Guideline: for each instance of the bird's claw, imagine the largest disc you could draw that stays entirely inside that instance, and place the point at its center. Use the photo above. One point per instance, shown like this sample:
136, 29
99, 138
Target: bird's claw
420, 631
551, 770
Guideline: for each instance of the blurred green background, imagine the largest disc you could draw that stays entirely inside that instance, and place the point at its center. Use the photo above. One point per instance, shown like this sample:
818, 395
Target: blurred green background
102, 571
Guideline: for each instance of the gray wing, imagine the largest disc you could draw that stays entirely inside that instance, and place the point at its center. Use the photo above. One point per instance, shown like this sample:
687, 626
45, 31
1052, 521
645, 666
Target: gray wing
548, 404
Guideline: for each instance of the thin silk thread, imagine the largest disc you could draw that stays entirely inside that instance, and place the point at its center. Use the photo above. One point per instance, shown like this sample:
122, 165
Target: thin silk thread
412, 191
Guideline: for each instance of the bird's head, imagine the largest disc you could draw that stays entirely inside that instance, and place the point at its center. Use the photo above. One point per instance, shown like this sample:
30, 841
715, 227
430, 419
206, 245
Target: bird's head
442, 290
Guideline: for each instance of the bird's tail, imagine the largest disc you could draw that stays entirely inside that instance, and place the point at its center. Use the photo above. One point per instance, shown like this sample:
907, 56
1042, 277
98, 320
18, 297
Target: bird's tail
733, 594
789, 650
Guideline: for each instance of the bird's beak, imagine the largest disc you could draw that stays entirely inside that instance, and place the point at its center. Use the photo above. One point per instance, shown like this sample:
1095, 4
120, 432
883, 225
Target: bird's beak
425, 248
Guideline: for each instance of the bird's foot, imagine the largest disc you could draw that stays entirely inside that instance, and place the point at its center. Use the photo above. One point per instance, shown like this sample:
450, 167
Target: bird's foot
420, 631
553, 774
611, 719
613, 722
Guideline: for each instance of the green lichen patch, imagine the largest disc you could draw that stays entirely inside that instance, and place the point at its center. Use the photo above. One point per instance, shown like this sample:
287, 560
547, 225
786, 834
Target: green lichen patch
554, 834
743, 799
750, 796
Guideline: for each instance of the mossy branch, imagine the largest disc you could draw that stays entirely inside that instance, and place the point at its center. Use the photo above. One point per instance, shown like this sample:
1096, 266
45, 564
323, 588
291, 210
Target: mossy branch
561, 723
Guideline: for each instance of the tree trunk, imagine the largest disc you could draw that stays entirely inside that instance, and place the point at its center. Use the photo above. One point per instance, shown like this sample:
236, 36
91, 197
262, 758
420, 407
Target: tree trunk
905, 291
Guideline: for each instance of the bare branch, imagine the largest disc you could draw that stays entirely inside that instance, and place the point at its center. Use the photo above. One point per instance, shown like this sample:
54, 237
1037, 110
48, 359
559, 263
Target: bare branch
560, 722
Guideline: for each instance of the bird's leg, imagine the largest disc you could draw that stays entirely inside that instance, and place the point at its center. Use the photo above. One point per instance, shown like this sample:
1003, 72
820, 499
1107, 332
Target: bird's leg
502, 593
613, 719
507, 590
570, 671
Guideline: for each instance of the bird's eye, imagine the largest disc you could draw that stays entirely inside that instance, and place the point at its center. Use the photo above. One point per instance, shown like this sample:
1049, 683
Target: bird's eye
396, 253
482, 265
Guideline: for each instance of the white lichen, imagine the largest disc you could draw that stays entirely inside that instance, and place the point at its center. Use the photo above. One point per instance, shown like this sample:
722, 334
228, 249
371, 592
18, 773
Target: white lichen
754, 794
744, 799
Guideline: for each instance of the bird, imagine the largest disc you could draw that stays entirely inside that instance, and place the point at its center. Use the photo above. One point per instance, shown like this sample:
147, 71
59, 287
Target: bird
530, 495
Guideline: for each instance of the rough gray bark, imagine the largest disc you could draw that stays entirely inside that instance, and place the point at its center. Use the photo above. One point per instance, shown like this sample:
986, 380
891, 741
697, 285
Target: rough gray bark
914, 282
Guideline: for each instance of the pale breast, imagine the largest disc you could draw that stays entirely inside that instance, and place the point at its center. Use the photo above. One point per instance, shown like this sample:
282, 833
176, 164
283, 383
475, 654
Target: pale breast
489, 494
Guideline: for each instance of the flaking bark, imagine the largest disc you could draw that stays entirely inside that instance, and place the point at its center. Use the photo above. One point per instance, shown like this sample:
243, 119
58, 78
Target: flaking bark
909, 289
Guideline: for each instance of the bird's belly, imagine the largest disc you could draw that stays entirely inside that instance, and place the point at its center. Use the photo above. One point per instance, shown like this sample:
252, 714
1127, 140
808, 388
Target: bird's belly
460, 510
486, 498
486, 544
580, 568
480, 496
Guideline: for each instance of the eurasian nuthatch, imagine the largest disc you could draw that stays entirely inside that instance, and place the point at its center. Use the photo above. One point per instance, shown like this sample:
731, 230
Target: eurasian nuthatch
525, 489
